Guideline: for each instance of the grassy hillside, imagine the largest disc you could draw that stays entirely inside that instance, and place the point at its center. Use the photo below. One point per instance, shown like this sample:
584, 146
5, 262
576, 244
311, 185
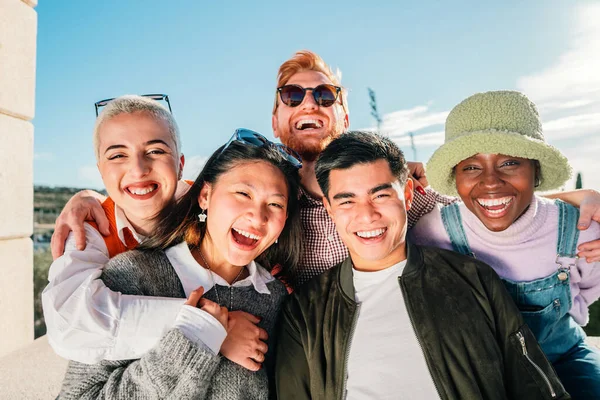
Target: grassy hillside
49, 201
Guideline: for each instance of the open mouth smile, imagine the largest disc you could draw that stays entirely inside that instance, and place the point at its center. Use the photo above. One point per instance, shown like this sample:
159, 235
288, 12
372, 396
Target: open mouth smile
244, 239
142, 191
371, 236
495, 207
308, 124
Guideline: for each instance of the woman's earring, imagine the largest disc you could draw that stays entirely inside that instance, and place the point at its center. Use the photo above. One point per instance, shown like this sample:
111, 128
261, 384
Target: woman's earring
276, 240
202, 216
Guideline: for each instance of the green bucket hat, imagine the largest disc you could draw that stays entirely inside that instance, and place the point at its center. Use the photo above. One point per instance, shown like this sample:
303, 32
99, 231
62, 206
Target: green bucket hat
502, 122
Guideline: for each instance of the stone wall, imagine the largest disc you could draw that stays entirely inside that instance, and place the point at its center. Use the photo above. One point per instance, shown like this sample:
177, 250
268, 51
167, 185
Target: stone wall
18, 30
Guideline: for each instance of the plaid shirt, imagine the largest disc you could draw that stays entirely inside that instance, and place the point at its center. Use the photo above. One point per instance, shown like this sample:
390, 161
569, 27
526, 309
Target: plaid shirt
323, 247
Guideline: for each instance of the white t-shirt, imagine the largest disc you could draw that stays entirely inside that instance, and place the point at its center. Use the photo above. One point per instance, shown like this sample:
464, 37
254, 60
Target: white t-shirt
386, 360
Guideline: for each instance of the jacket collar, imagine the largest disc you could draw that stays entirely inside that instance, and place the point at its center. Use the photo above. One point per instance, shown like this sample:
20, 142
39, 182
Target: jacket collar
345, 275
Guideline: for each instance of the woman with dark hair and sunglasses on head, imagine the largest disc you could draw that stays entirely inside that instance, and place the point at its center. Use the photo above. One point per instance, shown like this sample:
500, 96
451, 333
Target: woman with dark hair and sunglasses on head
215, 246
138, 151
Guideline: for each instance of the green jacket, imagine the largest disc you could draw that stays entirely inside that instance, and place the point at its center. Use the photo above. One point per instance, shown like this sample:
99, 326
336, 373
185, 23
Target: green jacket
472, 335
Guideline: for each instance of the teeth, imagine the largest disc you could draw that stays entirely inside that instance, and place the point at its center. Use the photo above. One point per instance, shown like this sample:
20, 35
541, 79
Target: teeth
247, 234
495, 202
300, 124
370, 234
142, 191
494, 211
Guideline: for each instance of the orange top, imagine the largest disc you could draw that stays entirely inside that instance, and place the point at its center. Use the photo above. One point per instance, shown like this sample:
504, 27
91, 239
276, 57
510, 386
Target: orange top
113, 241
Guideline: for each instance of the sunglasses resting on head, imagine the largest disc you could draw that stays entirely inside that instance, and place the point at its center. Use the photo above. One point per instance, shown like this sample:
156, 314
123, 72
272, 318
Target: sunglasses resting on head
249, 137
158, 97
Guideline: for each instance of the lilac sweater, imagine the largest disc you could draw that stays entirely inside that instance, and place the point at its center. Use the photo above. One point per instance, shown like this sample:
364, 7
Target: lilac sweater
523, 252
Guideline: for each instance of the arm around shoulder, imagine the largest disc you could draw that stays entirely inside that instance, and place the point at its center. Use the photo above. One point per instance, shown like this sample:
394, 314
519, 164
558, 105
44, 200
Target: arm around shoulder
87, 321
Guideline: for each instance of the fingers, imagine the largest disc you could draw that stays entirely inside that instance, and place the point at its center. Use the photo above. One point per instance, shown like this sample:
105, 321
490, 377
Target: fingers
262, 347
195, 297
224, 317
585, 218
79, 234
590, 257
249, 364
259, 356
422, 179
417, 186
245, 315
59, 237
590, 251
262, 334
244, 344
417, 173
221, 314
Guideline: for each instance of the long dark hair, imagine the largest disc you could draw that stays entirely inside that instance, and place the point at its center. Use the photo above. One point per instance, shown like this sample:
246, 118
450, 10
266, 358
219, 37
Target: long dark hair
179, 221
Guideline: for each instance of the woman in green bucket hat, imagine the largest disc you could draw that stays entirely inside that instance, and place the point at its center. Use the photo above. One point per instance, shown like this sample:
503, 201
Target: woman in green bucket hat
495, 158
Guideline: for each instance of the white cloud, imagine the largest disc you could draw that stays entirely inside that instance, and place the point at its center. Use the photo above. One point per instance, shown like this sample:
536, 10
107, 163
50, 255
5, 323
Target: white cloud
567, 94
424, 139
419, 120
584, 158
193, 166
399, 123
574, 77
572, 126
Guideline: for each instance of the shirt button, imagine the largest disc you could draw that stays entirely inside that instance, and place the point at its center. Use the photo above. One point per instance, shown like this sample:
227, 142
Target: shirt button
330, 238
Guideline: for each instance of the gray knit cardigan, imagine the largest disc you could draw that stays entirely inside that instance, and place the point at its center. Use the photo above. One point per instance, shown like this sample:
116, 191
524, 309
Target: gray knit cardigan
175, 368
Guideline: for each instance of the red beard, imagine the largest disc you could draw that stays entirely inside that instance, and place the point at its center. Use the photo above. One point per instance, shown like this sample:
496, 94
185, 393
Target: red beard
309, 150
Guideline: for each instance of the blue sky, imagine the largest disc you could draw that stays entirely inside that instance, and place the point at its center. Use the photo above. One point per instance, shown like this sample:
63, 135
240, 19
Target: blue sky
218, 63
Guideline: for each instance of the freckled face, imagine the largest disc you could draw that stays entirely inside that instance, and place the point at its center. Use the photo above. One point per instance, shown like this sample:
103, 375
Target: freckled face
496, 188
247, 210
139, 164
368, 205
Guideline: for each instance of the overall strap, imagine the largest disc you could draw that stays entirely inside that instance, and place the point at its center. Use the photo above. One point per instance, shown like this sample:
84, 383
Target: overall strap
455, 230
568, 234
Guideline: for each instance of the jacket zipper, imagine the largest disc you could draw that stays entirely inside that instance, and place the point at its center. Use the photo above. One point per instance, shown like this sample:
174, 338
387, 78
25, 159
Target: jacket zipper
526, 354
352, 328
412, 323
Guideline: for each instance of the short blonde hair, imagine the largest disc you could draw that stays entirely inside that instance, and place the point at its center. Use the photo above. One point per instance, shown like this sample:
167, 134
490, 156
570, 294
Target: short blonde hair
130, 104
306, 60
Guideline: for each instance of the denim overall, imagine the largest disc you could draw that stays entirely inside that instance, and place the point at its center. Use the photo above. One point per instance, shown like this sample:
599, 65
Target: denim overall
545, 304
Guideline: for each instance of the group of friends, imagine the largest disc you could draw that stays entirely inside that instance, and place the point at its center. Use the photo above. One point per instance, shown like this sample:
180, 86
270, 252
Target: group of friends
327, 266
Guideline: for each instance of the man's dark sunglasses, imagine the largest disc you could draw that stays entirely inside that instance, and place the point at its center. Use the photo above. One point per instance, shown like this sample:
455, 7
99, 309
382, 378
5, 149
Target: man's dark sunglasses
325, 95
157, 97
249, 137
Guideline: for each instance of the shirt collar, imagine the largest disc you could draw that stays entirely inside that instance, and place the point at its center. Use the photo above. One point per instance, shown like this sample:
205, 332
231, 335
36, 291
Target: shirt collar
193, 275
123, 223
306, 200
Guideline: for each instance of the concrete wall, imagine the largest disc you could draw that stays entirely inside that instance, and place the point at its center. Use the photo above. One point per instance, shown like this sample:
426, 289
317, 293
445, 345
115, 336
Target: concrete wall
18, 30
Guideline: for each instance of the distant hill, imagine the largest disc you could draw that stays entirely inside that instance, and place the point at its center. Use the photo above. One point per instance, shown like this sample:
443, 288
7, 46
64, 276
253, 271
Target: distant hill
48, 202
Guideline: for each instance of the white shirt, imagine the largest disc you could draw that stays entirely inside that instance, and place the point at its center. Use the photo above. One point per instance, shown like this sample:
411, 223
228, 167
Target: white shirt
87, 322
385, 360
196, 324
